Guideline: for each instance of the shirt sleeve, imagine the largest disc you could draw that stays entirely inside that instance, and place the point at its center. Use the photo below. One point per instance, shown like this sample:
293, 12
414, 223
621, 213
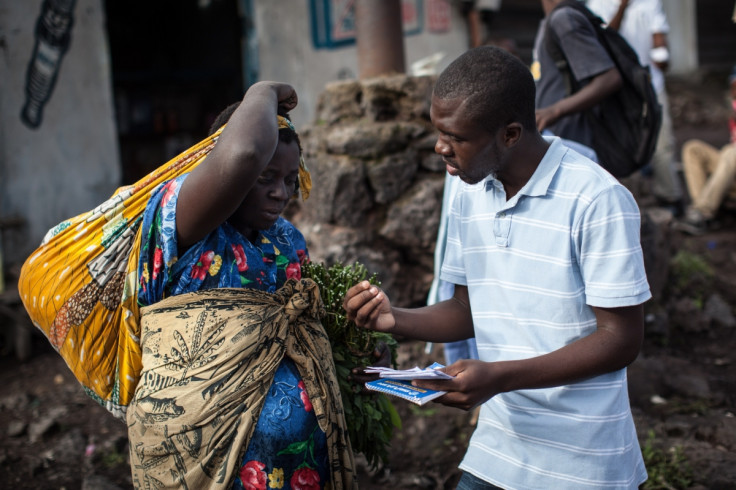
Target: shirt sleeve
585, 55
659, 19
609, 251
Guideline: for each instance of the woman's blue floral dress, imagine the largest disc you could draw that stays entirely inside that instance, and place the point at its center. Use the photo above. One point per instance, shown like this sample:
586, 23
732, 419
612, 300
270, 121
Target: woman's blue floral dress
288, 449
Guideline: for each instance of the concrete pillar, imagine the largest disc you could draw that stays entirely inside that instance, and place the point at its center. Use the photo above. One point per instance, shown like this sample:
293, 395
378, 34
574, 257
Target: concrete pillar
379, 37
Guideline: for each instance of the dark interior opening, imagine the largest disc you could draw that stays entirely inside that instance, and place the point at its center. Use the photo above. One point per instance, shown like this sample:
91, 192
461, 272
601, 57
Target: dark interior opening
175, 65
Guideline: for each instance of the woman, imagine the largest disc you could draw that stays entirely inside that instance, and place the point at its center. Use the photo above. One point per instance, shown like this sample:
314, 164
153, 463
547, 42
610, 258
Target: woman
238, 388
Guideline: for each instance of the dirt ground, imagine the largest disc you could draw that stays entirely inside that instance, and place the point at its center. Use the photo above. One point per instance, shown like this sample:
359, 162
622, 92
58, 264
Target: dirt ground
683, 386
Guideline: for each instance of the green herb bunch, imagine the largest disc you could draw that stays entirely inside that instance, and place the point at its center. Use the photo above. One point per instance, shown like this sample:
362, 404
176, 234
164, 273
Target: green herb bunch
370, 417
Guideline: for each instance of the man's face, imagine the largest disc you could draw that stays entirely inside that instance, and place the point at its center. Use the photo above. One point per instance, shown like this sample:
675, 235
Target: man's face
468, 150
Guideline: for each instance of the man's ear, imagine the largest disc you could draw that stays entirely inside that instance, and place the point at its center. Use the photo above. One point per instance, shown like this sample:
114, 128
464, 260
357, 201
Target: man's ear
512, 134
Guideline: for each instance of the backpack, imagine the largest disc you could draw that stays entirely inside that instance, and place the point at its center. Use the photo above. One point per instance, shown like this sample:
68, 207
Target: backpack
626, 124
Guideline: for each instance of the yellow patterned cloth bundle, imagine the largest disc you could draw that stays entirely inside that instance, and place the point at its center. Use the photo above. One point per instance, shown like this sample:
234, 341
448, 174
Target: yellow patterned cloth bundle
80, 286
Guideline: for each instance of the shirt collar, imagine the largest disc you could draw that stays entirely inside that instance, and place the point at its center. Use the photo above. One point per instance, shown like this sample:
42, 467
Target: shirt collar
540, 180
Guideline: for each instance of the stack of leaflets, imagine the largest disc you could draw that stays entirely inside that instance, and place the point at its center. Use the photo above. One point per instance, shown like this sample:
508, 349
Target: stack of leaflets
398, 382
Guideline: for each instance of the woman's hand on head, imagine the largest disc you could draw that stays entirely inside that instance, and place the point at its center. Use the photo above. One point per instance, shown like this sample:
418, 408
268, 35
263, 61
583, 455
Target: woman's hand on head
285, 95
369, 307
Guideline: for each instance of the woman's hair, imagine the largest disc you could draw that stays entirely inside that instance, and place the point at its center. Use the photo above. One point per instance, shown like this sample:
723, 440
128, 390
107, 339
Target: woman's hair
286, 135
498, 87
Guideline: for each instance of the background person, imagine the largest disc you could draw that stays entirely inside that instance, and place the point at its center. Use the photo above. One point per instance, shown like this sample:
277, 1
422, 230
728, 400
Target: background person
644, 25
595, 73
710, 174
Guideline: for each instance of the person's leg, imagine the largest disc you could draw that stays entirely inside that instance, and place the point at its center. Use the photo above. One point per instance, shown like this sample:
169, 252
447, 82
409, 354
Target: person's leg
470, 482
719, 183
665, 186
698, 160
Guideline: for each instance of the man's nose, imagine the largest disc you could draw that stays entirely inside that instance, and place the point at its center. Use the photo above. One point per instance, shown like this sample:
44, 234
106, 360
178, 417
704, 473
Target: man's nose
441, 147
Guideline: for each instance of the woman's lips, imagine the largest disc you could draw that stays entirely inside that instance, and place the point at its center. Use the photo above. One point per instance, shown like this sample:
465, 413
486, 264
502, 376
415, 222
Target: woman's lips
271, 214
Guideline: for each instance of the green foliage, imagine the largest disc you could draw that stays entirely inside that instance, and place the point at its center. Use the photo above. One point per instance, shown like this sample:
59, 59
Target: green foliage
691, 275
370, 417
114, 458
668, 470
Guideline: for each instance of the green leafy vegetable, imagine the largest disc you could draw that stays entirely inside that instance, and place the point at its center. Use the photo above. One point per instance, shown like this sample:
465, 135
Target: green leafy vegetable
370, 417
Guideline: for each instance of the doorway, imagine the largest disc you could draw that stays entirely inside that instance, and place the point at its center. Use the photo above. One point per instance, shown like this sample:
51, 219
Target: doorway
175, 65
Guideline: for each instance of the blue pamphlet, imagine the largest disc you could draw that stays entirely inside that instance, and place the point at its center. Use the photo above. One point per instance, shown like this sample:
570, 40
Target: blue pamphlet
403, 389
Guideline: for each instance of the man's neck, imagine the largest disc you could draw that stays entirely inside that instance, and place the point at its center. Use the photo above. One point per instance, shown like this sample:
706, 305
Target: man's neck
526, 160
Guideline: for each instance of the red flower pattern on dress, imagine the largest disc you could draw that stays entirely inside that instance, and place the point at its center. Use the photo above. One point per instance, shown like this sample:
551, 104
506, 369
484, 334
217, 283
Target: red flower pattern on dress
293, 270
252, 475
170, 191
305, 479
158, 261
303, 257
304, 396
199, 270
240, 259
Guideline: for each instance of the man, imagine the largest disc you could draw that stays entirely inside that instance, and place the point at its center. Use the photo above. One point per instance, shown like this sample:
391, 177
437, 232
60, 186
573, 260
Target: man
595, 74
644, 25
543, 249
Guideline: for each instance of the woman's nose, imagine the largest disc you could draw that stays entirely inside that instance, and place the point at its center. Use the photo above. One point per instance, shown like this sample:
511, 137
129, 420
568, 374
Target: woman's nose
282, 191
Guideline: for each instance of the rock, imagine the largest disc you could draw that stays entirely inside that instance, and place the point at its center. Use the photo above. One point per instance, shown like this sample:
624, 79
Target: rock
718, 430
16, 428
372, 140
341, 195
656, 248
391, 175
16, 401
339, 102
719, 311
69, 449
689, 384
98, 482
410, 222
398, 97
45, 423
645, 377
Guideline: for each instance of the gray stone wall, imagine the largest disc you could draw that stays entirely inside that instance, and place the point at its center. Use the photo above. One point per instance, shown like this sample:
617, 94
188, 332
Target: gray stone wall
377, 182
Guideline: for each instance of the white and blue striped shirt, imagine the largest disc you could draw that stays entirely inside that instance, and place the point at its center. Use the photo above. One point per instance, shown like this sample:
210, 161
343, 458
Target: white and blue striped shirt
534, 266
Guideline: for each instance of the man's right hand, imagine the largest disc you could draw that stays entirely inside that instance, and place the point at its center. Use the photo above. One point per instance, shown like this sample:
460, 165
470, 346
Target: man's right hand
369, 307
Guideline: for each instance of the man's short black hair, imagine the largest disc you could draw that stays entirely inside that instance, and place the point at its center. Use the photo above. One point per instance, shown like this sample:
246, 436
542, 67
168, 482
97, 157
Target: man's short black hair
498, 87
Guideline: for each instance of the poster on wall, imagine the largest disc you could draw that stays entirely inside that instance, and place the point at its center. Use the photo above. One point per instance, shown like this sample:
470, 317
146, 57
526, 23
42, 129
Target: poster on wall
52, 37
333, 21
